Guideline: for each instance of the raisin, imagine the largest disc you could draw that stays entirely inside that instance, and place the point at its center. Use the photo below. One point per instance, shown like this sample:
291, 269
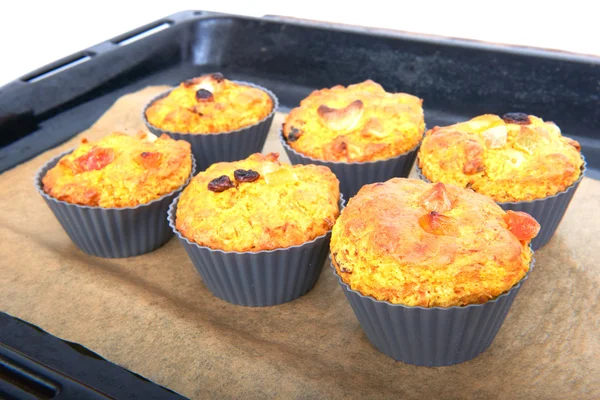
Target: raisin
294, 134
204, 95
516, 118
217, 76
243, 175
220, 184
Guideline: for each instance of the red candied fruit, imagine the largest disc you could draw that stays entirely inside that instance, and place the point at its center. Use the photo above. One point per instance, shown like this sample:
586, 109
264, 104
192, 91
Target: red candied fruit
522, 225
150, 159
437, 199
438, 224
97, 158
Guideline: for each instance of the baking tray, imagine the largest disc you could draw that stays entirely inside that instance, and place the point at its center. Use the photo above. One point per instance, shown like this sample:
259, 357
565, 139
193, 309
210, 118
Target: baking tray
458, 79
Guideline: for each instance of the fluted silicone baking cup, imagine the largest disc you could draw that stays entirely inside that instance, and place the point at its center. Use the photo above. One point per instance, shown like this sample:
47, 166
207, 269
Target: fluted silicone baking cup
112, 232
353, 176
548, 211
209, 148
433, 336
257, 279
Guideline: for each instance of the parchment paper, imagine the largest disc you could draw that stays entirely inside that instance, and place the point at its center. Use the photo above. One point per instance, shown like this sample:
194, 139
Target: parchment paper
153, 315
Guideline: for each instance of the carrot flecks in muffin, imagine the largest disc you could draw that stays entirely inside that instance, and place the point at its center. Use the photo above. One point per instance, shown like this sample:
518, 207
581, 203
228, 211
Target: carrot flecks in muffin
220, 184
522, 225
243, 175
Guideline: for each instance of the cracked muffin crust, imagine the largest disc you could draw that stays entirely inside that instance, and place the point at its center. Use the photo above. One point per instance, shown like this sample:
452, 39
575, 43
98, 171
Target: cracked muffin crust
358, 123
516, 157
258, 204
431, 245
120, 171
209, 104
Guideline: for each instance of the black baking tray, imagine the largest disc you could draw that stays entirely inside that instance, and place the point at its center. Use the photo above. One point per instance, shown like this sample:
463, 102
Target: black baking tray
458, 79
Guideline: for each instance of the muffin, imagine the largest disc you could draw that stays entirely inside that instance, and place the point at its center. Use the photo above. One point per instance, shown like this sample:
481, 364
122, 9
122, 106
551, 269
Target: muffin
120, 171
363, 133
519, 160
111, 196
223, 120
429, 258
258, 230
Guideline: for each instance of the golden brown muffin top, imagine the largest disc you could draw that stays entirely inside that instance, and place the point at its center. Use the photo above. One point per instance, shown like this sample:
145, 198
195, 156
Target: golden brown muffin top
359, 123
514, 158
120, 171
209, 104
431, 245
258, 204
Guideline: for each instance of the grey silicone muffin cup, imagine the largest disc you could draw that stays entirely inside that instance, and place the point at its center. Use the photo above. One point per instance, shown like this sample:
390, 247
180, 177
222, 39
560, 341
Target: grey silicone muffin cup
434, 336
353, 176
224, 146
112, 232
548, 212
257, 279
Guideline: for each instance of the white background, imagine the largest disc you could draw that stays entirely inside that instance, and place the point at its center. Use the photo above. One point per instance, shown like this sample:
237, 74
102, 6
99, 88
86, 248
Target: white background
34, 33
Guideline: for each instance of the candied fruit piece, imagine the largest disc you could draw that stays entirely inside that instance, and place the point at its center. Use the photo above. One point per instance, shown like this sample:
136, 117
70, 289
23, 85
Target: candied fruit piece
522, 225
438, 224
150, 159
474, 156
97, 158
243, 175
516, 118
495, 137
343, 118
294, 134
527, 140
437, 199
220, 184
204, 95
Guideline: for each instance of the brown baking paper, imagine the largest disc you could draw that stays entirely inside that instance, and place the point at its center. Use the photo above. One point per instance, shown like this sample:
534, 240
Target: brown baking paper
153, 315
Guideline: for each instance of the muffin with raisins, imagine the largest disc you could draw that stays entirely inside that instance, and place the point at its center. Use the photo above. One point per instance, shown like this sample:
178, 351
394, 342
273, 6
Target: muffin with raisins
111, 195
430, 269
521, 161
258, 230
363, 133
223, 120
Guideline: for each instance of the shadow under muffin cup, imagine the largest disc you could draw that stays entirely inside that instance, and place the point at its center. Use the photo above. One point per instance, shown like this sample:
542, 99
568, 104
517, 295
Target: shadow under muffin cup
353, 176
210, 148
112, 232
431, 337
548, 212
257, 279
